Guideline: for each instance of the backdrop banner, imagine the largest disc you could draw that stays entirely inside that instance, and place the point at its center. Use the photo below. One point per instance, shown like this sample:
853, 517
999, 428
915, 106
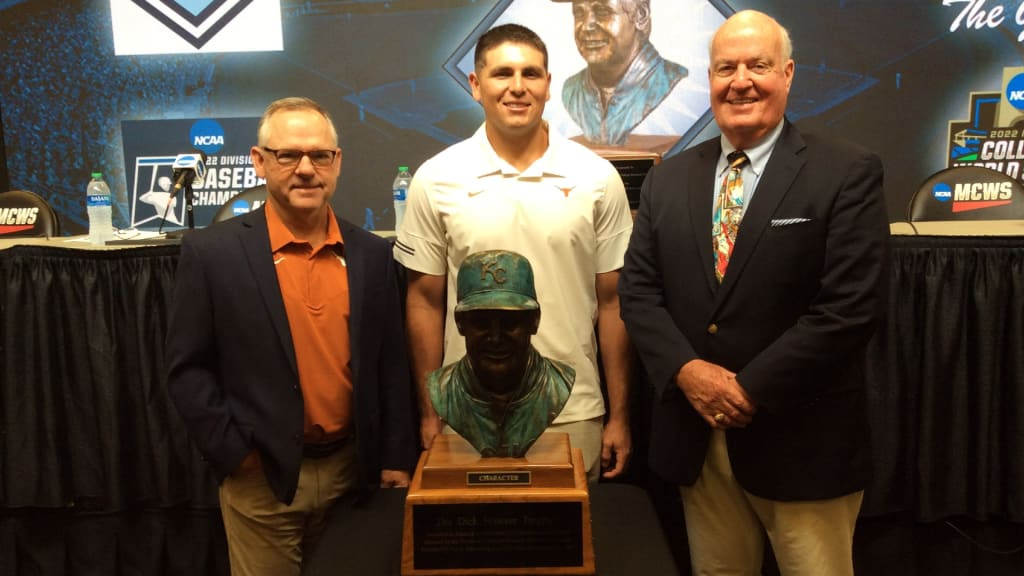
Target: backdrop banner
150, 147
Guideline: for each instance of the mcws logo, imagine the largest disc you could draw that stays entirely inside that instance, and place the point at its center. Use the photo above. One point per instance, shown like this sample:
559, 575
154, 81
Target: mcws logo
191, 26
207, 135
967, 196
17, 219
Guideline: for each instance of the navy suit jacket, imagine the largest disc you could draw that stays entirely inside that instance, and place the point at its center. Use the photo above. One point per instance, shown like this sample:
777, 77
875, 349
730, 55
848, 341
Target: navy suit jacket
792, 316
231, 363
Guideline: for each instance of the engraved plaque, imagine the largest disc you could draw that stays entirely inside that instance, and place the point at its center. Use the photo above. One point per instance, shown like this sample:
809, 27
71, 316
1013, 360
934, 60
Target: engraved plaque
497, 535
633, 170
499, 478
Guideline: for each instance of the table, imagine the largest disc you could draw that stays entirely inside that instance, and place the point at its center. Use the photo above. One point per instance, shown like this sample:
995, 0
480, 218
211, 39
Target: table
627, 537
95, 464
979, 228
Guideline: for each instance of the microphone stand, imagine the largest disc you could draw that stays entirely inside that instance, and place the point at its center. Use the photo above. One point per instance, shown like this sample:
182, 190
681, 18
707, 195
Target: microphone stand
163, 218
190, 217
190, 213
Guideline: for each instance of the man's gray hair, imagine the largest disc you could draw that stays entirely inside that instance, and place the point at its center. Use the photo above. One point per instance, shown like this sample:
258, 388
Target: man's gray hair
787, 43
292, 103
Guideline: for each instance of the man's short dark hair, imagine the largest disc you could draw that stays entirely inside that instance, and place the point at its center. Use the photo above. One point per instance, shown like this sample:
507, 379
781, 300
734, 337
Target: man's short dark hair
507, 34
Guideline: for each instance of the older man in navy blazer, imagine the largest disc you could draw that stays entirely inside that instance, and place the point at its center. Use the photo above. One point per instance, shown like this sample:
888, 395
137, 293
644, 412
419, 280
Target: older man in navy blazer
755, 341
286, 351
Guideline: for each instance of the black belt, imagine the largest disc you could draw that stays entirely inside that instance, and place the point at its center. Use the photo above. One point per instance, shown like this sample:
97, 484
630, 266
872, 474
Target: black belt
323, 449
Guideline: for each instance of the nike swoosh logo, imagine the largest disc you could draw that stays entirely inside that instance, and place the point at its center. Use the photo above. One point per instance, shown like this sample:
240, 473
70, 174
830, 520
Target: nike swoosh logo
473, 193
279, 260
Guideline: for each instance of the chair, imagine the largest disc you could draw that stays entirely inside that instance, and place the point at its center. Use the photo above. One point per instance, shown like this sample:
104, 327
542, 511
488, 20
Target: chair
965, 193
245, 201
27, 214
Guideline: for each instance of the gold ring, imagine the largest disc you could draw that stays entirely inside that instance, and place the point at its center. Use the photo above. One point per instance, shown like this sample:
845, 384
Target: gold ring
719, 417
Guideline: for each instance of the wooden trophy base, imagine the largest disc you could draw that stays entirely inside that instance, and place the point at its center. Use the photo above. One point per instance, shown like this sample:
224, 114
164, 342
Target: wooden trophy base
636, 144
465, 514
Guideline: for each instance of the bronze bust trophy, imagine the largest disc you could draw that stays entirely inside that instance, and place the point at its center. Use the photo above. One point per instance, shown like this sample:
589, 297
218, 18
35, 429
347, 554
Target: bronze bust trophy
503, 393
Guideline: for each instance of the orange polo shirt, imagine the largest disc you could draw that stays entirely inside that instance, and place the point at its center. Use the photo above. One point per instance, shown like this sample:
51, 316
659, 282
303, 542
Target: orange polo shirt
314, 286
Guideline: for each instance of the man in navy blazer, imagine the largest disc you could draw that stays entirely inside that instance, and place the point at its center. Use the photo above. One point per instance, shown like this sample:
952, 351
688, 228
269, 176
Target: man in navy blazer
286, 351
759, 411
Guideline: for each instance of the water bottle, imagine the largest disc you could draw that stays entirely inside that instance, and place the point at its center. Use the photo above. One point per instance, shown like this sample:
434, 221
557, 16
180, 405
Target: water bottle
399, 189
101, 226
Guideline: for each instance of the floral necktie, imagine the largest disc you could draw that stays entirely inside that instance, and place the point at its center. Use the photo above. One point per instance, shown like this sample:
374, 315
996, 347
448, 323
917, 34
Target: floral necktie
728, 212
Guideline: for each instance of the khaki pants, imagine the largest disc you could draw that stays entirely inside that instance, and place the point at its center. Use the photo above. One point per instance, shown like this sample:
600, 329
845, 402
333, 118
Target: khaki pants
726, 526
585, 435
266, 537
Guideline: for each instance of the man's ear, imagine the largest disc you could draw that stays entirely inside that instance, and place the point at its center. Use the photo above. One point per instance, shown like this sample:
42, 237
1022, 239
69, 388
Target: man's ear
474, 86
536, 323
257, 161
643, 18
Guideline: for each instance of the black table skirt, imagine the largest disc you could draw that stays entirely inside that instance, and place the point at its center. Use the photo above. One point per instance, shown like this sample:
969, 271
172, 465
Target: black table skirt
87, 429
87, 421
946, 381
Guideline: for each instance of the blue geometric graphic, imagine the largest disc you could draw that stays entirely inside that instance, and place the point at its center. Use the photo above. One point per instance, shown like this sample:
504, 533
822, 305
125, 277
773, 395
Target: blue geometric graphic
196, 13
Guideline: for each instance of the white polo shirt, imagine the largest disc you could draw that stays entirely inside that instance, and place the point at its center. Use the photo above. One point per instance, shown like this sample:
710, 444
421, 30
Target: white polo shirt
567, 213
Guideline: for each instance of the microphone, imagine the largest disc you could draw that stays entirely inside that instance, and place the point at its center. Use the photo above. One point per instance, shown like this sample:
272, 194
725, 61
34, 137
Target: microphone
187, 168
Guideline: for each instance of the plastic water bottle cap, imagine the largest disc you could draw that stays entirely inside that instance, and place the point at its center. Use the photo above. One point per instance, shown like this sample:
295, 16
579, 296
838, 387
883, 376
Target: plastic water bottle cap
97, 175
403, 168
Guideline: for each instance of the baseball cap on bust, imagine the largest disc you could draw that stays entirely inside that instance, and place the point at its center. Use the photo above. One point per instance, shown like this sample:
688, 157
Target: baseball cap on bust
496, 280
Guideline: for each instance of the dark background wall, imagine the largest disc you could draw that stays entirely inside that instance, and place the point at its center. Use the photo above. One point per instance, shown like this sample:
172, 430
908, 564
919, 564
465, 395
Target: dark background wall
4, 181
889, 74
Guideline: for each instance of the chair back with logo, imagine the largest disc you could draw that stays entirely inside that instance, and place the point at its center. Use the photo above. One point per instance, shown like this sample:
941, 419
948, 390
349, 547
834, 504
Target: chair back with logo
967, 193
245, 201
26, 214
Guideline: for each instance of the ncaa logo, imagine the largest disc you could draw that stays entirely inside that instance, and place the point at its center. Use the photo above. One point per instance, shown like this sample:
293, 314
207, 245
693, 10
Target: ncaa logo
1015, 91
207, 135
942, 192
239, 207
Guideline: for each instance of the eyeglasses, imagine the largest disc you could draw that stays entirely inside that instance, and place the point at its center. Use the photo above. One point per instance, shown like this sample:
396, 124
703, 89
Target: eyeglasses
319, 158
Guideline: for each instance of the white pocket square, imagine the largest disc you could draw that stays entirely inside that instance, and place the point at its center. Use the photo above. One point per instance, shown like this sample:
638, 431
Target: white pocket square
777, 222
